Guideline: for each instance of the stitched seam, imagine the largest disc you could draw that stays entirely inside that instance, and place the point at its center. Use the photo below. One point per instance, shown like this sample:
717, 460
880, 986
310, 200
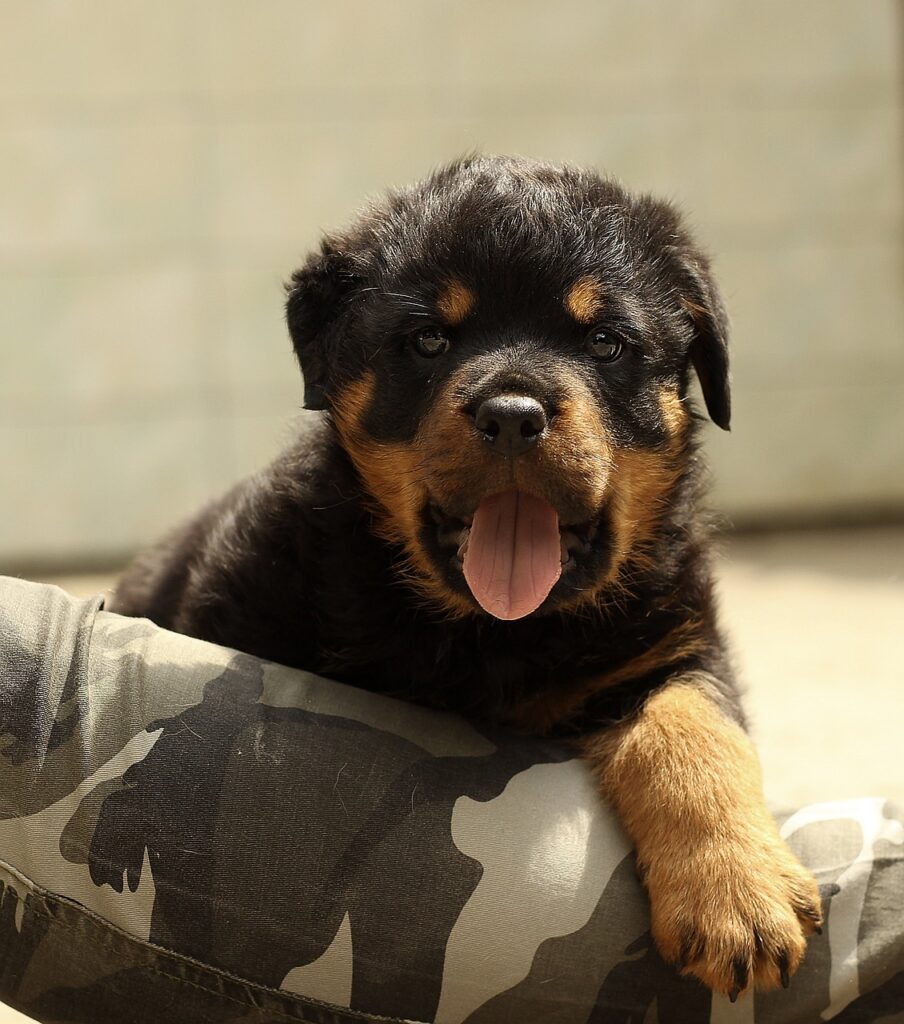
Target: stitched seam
96, 919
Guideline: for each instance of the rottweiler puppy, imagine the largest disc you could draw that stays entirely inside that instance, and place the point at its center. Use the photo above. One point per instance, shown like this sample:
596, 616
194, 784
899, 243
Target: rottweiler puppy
495, 507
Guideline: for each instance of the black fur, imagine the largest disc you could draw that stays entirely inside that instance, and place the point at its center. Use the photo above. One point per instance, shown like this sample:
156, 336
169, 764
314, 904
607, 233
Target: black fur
289, 565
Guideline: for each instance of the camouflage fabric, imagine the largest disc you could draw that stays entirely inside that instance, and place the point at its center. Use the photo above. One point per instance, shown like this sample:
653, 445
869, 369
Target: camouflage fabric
190, 834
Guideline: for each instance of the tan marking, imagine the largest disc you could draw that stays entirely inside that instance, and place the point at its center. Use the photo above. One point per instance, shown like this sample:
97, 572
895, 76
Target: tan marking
644, 480
393, 475
639, 488
685, 782
572, 462
540, 715
584, 301
455, 302
675, 416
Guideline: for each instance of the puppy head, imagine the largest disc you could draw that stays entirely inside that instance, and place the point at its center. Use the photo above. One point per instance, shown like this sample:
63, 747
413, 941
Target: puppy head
505, 351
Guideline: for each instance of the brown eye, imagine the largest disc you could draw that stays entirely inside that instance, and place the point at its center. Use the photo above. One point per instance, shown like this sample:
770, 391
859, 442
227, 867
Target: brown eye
604, 347
430, 343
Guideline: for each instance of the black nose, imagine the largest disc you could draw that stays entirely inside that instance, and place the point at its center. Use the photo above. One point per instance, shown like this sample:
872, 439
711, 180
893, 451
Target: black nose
511, 423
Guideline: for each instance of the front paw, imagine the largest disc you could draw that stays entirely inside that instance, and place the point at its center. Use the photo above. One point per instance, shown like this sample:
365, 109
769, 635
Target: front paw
734, 912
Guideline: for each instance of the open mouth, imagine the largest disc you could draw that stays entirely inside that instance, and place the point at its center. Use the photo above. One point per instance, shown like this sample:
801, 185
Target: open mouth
513, 550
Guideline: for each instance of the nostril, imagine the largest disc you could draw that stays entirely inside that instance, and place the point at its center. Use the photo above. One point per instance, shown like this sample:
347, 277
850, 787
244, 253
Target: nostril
486, 421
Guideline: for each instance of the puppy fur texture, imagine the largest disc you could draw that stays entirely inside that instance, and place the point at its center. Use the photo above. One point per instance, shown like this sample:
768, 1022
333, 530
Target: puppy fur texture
504, 277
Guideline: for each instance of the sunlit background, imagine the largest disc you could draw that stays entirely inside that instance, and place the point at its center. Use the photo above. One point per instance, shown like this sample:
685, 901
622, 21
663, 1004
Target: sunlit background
165, 165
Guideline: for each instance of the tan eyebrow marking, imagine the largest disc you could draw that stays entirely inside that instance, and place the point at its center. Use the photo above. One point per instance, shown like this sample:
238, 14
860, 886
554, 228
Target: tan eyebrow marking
584, 300
455, 302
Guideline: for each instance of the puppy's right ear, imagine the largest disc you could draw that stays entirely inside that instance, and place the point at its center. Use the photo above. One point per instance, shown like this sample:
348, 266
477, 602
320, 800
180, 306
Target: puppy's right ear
317, 296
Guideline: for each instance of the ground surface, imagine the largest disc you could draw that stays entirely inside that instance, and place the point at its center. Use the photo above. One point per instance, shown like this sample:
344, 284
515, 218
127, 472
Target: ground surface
818, 626
817, 622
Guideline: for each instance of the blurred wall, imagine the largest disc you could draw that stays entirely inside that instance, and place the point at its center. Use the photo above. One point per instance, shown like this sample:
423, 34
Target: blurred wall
163, 166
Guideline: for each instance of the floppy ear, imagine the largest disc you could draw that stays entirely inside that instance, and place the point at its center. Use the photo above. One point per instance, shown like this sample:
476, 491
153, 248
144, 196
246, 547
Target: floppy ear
709, 348
317, 294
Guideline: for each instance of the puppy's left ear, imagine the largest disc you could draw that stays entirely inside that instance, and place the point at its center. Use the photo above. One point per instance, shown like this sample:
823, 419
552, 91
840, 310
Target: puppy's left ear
317, 296
709, 349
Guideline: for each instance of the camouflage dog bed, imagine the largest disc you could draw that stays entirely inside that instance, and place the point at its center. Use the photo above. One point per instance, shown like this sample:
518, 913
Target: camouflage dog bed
190, 834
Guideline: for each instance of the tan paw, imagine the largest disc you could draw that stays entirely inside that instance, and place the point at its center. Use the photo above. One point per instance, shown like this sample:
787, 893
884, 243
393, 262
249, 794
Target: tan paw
734, 912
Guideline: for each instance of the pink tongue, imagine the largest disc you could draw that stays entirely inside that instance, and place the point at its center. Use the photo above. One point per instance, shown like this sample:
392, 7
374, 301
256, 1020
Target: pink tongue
513, 556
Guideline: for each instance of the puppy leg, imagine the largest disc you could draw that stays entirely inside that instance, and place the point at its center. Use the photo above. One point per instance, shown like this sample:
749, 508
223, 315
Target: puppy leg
729, 901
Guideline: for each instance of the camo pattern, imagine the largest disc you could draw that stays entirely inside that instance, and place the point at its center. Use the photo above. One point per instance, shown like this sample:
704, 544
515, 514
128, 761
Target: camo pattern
190, 834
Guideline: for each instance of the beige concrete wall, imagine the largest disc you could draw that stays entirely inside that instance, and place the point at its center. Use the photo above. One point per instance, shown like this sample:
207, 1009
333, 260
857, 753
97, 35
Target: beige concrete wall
164, 165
